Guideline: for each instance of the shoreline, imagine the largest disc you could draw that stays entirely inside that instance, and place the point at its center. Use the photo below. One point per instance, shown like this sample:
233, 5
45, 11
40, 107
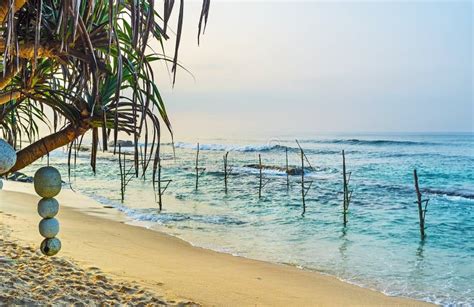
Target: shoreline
171, 267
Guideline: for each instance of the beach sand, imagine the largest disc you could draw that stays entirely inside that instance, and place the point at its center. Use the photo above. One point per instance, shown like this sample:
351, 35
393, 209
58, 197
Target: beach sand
27, 277
105, 260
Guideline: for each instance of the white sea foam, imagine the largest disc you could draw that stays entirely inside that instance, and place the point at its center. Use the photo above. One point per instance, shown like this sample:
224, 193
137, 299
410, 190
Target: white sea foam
228, 147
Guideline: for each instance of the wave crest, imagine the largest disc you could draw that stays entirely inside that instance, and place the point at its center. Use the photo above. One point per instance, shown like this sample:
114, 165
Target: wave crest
240, 148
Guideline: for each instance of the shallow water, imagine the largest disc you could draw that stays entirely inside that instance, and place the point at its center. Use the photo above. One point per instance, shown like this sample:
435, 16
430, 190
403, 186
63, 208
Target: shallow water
380, 248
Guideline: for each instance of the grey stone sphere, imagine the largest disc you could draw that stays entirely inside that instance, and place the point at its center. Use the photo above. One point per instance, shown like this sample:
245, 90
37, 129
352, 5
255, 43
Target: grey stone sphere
47, 182
7, 157
1, 184
49, 228
50, 247
48, 207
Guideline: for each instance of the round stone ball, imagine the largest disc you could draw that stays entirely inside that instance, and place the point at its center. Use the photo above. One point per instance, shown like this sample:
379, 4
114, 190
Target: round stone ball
47, 182
50, 247
1, 184
49, 228
7, 157
48, 207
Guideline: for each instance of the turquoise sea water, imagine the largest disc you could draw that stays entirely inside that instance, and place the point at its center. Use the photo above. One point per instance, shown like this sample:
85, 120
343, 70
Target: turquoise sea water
380, 248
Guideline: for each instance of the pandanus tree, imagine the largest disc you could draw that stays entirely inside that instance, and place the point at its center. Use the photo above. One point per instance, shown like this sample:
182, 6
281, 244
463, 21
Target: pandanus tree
84, 66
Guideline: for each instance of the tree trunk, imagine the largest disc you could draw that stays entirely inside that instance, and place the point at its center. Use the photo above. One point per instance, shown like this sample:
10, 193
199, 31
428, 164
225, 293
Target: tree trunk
34, 151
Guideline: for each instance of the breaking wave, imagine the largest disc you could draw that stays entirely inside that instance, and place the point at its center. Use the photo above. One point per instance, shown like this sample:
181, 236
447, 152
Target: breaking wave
368, 142
224, 147
453, 192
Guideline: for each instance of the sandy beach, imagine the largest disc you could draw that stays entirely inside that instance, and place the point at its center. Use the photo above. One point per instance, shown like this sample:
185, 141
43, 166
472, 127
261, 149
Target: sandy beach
105, 260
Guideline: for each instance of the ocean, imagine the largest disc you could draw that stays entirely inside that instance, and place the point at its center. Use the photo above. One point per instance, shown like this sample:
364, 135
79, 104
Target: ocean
379, 248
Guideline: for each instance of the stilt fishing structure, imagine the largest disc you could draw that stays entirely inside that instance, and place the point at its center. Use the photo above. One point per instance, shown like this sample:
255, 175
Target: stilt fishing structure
303, 192
261, 183
199, 170
159, 188
305, 157
421, 210
347, 193
125, 175
287, 171
227, 170
122, 189
261, 176
304, 189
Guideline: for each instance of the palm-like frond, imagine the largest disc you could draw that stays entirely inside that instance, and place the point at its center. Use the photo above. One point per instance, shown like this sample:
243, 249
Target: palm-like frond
89, 62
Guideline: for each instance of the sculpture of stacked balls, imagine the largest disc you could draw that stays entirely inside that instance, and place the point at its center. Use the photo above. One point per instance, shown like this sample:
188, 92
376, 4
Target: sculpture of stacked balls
47, 183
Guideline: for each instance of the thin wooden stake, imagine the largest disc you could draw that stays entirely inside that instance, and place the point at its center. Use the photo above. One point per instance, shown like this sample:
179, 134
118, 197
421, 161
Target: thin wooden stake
197, 166
287, 171
307, 160
122, 192
160, 202
225, 171
142, 160
345, 197
420, 201
261, 176
303, 194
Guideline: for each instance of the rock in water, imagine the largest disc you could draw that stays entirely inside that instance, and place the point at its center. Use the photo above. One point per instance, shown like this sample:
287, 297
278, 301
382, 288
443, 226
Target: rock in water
49, 228
122, 143
7, 157
50, 247
48, 207
47, 182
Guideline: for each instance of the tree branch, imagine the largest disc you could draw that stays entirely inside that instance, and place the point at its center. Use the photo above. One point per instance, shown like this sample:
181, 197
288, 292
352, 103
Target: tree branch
11, 72
9, 96
38, 149
27, 50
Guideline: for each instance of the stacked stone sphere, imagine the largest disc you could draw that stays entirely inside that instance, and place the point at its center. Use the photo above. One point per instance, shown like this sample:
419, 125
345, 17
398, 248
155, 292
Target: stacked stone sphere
47, 183
7, 158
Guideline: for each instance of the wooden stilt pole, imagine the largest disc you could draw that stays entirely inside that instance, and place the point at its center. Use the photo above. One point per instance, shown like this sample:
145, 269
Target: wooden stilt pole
122, 179
142, 160
159, 181
160, 201
225, 171
420, 201
287, 171
303, 192
261, 176
197, 166
345, 197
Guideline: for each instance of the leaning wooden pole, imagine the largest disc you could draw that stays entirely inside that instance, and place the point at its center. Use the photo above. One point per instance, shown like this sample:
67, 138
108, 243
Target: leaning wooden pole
122, 180
225, 171
287, 171
197, 166
345, 197
419, 201
142, 161
303, 192
160, 201
261, 176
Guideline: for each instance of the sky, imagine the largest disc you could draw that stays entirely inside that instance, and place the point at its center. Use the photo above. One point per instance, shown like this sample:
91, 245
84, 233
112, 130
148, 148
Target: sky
283, 67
